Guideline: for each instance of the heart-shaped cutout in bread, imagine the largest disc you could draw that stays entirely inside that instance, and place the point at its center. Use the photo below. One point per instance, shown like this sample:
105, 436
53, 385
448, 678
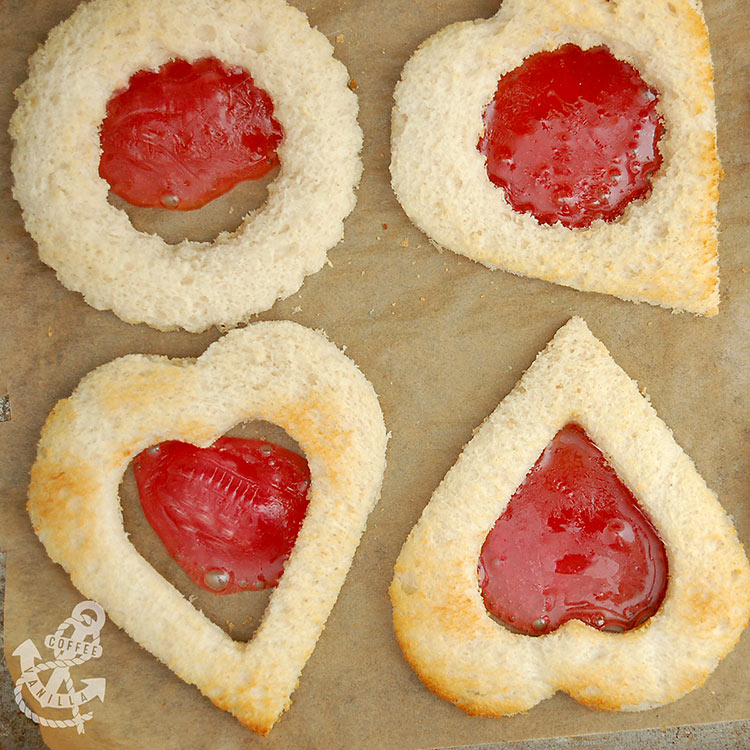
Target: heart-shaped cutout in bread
441, 622
572, 543
661, 247
279, 372
228, 514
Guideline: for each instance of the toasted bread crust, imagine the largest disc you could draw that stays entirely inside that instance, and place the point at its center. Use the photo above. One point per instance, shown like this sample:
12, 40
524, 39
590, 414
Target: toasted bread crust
92, 245
663, 250
441, 623
279, 372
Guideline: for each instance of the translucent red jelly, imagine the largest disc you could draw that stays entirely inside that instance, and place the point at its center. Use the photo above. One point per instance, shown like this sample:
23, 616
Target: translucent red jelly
571, 136
572, 544
185, 134
228, 514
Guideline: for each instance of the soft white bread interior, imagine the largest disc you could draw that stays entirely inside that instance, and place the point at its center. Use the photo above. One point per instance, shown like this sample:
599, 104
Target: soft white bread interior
92, 245
279, 372
465, 656
663, 250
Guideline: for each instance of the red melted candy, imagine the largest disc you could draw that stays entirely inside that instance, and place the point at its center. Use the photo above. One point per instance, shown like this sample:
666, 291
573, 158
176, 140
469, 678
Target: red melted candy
572, 544
572, 135
228, 514
186, 134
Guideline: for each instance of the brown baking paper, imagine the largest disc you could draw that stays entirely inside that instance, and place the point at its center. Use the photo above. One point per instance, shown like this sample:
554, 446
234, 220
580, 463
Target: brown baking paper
443, 340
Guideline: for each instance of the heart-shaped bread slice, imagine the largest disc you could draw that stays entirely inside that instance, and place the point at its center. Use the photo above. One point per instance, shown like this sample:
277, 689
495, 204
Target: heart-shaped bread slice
663, 248
279, 372
465, 656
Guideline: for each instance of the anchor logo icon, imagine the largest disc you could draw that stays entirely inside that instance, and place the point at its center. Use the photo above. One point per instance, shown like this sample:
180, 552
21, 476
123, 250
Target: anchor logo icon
77, 647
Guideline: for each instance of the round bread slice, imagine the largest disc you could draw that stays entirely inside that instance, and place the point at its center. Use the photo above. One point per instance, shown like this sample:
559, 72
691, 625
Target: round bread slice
92, 245
465, 656
663, 250
279, 372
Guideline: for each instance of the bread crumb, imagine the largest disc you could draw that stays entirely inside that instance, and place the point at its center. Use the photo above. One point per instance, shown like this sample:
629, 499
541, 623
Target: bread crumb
49, 331
421, 299
352, 84
405, 242
340, 38
5, 415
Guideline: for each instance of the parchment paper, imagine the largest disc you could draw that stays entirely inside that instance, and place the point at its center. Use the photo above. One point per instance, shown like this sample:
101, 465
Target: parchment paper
443, 340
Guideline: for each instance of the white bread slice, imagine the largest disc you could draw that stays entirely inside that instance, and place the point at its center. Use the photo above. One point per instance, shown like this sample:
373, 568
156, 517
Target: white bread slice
463, 655
92, 245
279, 372
663, 250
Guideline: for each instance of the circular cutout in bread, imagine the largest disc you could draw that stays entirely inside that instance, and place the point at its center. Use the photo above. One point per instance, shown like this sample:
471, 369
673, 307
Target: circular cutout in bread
279, 372
663, 250
94, 248
440, 619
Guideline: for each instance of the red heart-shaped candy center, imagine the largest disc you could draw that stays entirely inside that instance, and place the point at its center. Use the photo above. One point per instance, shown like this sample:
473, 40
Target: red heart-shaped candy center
228, 514
572, 544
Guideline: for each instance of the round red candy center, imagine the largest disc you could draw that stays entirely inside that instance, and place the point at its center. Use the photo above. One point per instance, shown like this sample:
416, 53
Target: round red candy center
572, 544
571, 136
228, 514
185, 134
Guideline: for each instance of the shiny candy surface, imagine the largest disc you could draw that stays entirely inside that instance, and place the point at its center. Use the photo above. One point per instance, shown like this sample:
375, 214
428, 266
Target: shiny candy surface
181, 136
572, 544
572, 135
228, 514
